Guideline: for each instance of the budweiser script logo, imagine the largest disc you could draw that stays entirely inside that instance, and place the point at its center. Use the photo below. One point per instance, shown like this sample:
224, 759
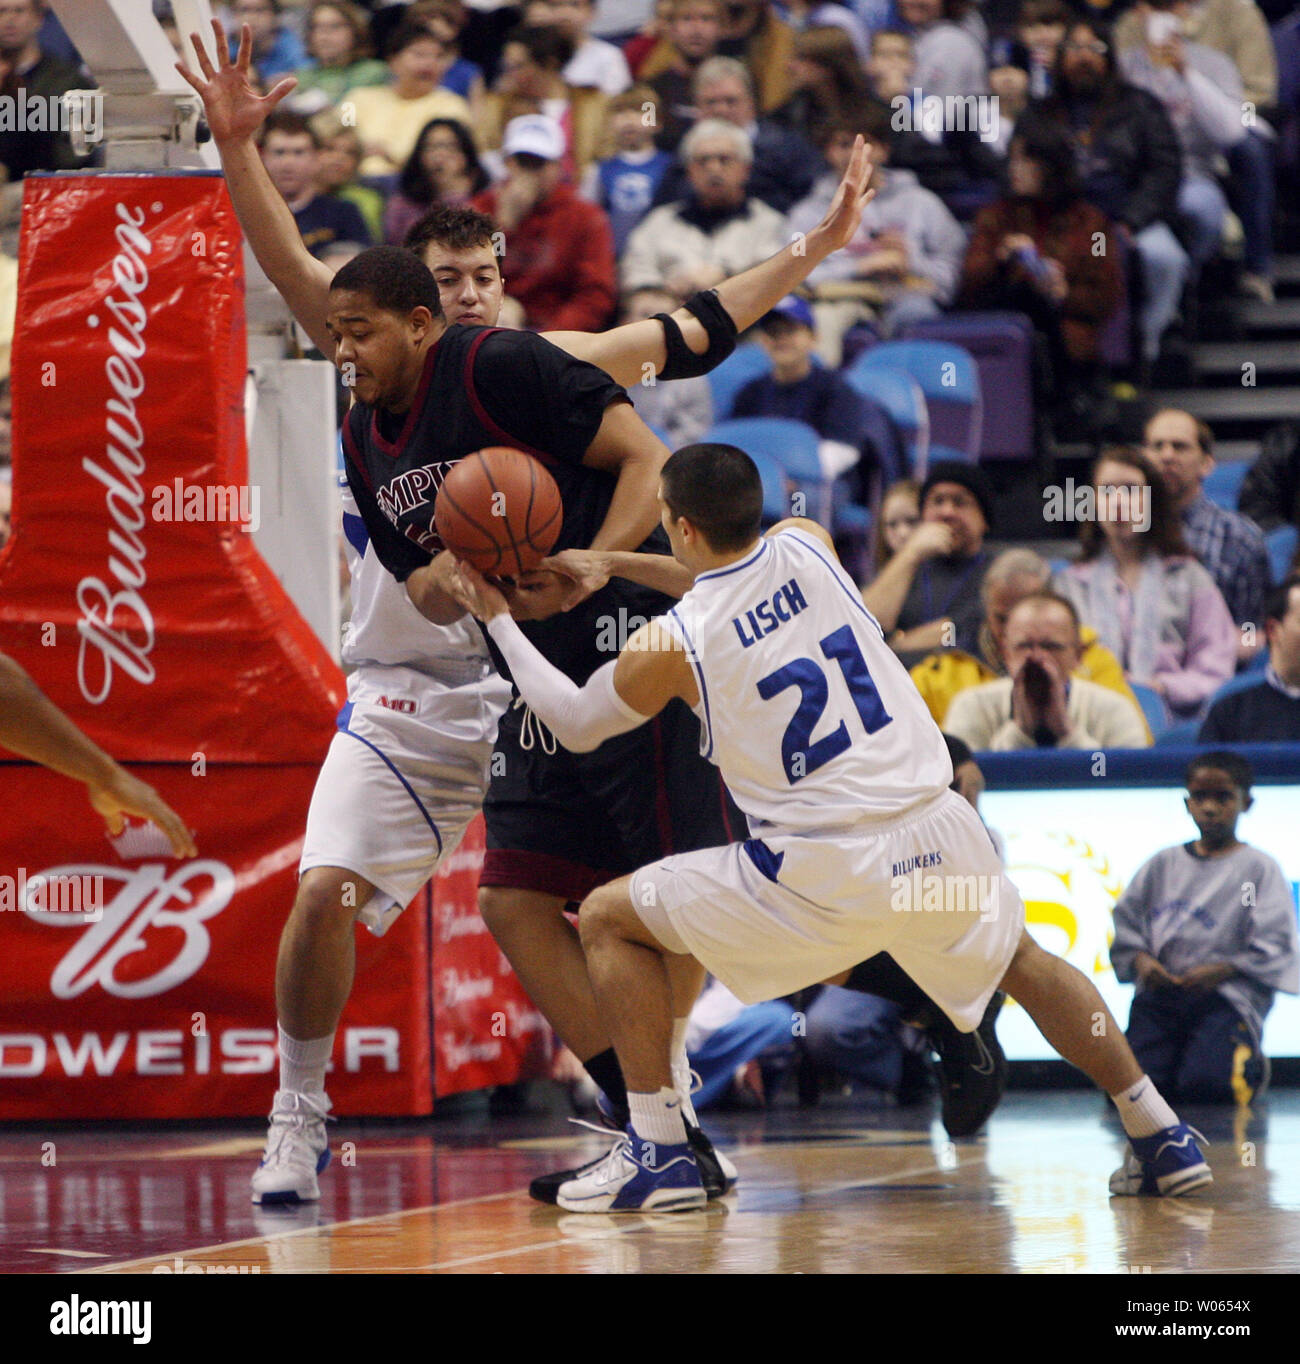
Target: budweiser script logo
147, 897
116, 627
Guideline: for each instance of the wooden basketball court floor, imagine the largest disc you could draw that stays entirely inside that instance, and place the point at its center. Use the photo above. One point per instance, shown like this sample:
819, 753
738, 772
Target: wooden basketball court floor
823, 1190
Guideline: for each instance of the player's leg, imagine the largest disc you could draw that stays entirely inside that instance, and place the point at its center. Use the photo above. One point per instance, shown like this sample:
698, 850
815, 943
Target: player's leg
653, 1167
1070, 1013
394, 793
542, 946
313, 978
1157, 1034
972, 1066
317, 959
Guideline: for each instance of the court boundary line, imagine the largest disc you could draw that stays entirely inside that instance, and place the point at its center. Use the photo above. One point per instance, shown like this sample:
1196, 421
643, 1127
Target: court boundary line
306, 1231
162, 1256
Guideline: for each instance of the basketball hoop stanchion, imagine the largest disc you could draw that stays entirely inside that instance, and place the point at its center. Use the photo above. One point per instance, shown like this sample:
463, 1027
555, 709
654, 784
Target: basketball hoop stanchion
134, 985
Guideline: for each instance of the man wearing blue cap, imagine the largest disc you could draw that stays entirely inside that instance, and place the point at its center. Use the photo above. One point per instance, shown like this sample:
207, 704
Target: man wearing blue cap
804, 391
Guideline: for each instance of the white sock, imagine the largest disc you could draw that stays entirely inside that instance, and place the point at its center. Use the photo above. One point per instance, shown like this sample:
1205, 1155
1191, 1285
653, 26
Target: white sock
682, 1070
302, 1064
658, 1117
1142, 1109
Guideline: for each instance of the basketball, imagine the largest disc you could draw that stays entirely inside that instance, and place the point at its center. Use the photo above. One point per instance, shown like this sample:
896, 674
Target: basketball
499, 510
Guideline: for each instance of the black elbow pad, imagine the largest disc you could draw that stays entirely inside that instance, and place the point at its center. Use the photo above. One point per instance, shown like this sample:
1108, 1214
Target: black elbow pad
682, 362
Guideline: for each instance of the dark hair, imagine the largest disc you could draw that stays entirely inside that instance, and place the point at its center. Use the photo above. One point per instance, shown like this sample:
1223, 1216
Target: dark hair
1043, 12
1241, 772
393, 278
1053, 149
1278, 601
414, 181
355, 17
290, 125
881, 554
1165, 534
867, 115
719, 490
455, 226
404, 35
1100, 30
546, 46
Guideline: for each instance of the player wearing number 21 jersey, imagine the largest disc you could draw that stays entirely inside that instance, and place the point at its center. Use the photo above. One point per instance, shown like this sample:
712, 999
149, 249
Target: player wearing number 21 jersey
857, 845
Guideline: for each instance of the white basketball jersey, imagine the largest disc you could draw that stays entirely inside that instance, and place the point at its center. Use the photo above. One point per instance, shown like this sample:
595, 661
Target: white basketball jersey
812, 720
386, 629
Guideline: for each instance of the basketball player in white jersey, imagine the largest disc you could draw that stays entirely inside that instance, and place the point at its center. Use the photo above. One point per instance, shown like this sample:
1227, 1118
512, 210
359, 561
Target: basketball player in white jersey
858, 846
408, 767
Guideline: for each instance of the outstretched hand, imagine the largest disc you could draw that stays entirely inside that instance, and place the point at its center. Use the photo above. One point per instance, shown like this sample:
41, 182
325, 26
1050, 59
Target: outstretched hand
234, 110
852, 196
121, 794
478, 596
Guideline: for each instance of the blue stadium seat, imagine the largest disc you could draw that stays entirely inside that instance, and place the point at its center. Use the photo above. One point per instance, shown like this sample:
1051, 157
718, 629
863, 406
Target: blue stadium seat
1153, 707
743, 364
947, 377
791, 446
1281, 550
1223, 482
776, 504
1184, 732
899, 395
1002, 346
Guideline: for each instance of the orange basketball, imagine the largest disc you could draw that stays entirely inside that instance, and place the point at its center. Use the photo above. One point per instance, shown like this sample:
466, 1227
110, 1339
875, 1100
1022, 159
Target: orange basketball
499, 510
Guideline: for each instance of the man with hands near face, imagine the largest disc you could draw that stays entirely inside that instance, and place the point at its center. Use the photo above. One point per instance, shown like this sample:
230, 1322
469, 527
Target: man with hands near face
1040, 704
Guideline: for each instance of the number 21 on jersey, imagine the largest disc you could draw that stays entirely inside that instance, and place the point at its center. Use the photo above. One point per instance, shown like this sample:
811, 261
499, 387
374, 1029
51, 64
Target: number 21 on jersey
799, 756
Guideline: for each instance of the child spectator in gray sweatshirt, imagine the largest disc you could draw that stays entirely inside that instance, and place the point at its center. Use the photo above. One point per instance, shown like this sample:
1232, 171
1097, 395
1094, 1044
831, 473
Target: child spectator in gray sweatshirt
1208, 931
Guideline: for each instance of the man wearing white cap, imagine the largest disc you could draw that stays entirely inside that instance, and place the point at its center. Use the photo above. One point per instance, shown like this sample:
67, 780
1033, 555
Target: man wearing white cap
559, 249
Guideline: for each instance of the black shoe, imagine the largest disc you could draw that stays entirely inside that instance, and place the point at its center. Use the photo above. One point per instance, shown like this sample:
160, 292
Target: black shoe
717, 1173
972, 1070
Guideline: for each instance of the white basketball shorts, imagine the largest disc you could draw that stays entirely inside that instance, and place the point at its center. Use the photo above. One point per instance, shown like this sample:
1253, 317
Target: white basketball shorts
776, 914
404, 775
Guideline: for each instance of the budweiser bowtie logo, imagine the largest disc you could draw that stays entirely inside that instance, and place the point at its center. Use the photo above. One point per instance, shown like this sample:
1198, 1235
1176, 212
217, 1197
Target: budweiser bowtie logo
116, 626
147, 898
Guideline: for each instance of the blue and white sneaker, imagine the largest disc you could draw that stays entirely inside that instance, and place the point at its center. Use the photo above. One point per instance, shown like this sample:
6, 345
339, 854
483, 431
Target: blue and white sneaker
637, 1176
1168, 1164
297, 1149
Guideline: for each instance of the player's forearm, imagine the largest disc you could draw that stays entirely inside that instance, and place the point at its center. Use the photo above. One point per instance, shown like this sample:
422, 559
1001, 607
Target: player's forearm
301, 280
581, 718
428, 590
660, 572
885, 594
633, 513
32, 726
749, 295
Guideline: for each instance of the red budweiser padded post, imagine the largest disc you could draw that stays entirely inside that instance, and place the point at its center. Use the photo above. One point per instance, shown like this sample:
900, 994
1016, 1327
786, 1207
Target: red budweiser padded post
131, 984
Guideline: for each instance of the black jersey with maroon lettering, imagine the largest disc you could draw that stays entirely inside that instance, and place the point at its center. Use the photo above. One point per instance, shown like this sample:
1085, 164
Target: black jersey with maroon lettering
483, 386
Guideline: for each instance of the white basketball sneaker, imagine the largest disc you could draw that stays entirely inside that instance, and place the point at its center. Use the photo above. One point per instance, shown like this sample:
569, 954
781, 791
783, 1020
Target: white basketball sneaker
297, 1149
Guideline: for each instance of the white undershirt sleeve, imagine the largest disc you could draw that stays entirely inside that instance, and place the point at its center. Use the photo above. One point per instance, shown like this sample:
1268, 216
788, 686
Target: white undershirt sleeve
581, 718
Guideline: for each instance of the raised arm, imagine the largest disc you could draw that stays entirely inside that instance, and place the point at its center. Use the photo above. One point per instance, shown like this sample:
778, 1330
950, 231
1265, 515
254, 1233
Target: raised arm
624, 352
34, 727
234, 112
